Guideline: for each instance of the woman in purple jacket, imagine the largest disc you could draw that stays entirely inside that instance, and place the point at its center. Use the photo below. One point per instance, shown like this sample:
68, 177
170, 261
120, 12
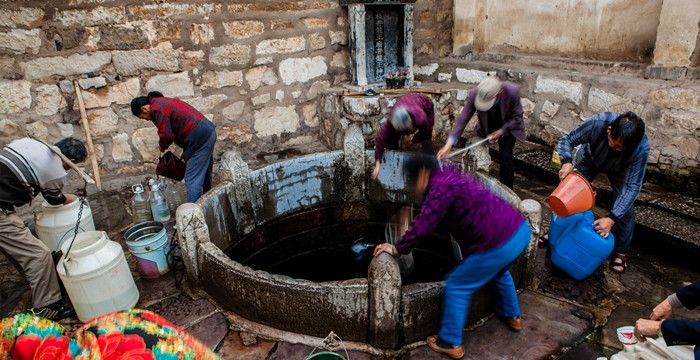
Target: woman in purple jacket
492, 234
412, 114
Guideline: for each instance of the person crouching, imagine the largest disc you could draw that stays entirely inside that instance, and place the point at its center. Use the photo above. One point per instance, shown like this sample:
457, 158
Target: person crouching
491, 233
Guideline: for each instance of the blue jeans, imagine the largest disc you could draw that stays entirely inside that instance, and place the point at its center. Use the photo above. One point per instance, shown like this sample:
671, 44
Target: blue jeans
474, 272
623, 230
199, 159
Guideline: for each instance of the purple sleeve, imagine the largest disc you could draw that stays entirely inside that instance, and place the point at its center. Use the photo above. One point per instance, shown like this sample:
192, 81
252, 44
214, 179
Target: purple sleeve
514, 118
464, 117
424, 121
434, 208
384, 135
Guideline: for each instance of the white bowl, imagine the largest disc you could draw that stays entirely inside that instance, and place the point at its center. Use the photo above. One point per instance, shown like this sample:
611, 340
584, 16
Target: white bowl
626, 335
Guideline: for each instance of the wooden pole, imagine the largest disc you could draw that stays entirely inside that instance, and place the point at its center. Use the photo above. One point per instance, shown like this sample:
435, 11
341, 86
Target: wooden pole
66, 160
88, 136
396, 91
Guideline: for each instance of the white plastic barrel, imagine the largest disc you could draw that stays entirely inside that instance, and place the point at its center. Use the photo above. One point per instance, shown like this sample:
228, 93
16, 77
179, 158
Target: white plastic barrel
56, 223
96, 276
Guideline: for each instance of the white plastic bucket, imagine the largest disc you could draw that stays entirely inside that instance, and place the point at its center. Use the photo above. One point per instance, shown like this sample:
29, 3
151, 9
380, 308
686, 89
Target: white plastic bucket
148, 241
56, 223
96, 276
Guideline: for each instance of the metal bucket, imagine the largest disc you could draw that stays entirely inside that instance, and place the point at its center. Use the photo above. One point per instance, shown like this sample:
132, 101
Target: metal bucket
148, 241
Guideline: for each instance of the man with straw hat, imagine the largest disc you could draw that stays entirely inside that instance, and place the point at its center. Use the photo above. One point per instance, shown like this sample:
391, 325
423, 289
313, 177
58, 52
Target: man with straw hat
497, 105
411, 115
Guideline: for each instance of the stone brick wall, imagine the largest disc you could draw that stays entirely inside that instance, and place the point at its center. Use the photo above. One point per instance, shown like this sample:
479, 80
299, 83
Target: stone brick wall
255, 68
433, 29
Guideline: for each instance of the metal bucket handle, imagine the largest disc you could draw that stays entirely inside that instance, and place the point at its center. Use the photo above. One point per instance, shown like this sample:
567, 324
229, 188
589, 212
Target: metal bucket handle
329, 342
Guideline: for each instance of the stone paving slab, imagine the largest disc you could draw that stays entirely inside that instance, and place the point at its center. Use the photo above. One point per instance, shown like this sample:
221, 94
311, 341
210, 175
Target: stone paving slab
181, 310
154, 290
623, 315
211, 330
233, 348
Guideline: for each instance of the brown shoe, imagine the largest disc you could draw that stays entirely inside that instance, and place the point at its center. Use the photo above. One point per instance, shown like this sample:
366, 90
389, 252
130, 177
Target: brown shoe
514, 323
455, 353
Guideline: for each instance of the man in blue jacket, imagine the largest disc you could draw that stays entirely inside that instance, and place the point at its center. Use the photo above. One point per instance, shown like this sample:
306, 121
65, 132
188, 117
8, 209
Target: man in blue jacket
675, 332
614, 144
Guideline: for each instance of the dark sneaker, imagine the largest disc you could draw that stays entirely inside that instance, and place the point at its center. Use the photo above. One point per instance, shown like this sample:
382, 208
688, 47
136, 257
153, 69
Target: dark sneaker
54, 312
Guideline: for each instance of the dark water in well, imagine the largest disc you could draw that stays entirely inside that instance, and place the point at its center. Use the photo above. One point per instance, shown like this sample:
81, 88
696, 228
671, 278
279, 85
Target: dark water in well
318, 244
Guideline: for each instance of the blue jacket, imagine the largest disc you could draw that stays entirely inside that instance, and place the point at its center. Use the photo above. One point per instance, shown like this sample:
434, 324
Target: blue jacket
684, 332
593, 138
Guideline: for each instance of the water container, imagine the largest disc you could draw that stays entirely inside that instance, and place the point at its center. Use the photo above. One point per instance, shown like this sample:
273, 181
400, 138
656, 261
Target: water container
56, 223
149, 243
175, 194
140, 208
159, 204
576, 247
96, 276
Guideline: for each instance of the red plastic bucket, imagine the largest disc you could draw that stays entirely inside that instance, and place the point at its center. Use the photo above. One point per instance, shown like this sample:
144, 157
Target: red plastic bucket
573, 195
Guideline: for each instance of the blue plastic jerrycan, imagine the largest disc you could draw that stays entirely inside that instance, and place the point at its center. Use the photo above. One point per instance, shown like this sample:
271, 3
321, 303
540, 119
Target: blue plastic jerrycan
576, 247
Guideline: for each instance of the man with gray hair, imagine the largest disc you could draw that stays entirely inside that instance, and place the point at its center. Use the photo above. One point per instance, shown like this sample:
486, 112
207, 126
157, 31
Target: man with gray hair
27, 168
411, 115
497, 105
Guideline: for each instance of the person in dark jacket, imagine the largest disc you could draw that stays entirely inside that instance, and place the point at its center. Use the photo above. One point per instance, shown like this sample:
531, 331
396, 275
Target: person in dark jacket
182, 124
29, 168
614, 144
411, 115
491, 233
497, 105
675, 332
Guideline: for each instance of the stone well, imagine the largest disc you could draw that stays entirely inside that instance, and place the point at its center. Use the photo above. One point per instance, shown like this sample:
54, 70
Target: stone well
377, 309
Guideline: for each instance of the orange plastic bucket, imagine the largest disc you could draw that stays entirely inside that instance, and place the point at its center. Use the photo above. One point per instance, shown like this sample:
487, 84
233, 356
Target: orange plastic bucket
573, 195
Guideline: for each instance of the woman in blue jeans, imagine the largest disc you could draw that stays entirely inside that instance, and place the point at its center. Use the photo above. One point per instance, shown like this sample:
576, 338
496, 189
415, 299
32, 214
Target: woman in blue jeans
492, 235
182, 124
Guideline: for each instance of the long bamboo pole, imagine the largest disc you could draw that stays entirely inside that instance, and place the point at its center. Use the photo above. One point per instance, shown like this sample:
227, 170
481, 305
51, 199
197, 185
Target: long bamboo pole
397, 91
88, 136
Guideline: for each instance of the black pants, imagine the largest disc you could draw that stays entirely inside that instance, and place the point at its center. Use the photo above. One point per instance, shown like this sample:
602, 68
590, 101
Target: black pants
505, 158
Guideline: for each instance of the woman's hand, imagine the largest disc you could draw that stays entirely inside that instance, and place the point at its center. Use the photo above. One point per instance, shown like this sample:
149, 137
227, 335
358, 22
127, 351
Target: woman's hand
444, 151
375, 172
603, 226
386, 247
565, 170
644, 327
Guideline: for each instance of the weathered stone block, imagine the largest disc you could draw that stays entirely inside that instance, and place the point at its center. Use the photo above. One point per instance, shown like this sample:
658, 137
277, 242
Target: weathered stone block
317, 88
234, 111
261, 99
96, 16
341, 59
239, 134
66, 86
9, 130
362, 106
279, 95
8, 68
228, 55
549, 109
276, 121
219, 79
125, 37
338, 37
677, 34
25, 17
315, 23
527, 104
469, 76
263, 60
281, 46
310, 118
201, 34
65, 130
384, 279
93, 82
21, 41
302, 69
48, 100
260, 75
173, 85
444, 77
243, 29
120, 93
208, 103
317, 41
427, 70
38, 130
161, 57
192, 59
121, 150
145, 140
684, 121
600, 100
15, 96
102, 122
462, 95
171, 10
570, 90
677, 98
